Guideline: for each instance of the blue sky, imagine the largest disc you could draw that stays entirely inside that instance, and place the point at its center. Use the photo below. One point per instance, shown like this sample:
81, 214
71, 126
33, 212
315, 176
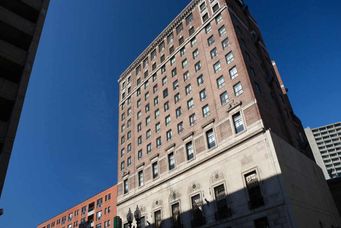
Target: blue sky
65, 148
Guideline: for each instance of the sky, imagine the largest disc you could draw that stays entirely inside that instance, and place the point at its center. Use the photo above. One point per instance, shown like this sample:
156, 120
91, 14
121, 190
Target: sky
66, 144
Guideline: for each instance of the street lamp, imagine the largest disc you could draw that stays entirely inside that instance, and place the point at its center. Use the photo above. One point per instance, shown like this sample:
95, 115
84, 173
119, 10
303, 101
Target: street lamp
137, 216
130, 218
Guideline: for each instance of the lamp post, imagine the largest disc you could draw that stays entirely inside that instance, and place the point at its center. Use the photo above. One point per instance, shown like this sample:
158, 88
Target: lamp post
130, 218
137, 215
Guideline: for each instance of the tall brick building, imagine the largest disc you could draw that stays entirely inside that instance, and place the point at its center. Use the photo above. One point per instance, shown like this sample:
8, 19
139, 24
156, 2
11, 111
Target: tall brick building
21, 23
207, 134
98, 212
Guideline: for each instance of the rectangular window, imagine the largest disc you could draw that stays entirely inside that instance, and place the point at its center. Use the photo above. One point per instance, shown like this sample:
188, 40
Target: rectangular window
195, 53
157, 219
208, 28
169, 135
210, 137
202, 95
213, 53
158, 142
176, 98
188, 89
155, 170
222, 30
233, 72
165, 93
182, 51
238, 89
210, 40
139, 154
192, 119
200, 80
225, 43
218, 18
191, 31
217, 67
175, 84
186, 76
253, 189
190, 103
172, 60
179, 28
197, 214
220, 82
174, 72
205, 111
171, 161
140, 178
224, 98
176, 221
149, 148
184, 63
180, 127
205, 17
125, 186
197, 66
215, 8
170, 38
222, 210
157, 127
238, 123
193, 41
229, 57
167, 120
202, 6
189, 151
189, 19
178, 112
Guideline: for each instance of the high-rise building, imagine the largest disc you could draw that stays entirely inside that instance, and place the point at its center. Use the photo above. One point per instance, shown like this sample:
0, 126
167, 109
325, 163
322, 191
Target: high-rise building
207, 134
21, 23
325, 143
96, 212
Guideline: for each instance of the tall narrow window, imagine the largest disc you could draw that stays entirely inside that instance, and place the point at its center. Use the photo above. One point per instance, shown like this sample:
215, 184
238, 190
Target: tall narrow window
157, 219
189, 151
238, 123
229, 57
205, 111
238, 89
233, 72
140, 178
176, 215
253, 189
197, 213
171, 161
221, 203
155, 170
210, 137
217, 67
224, 98
125, 186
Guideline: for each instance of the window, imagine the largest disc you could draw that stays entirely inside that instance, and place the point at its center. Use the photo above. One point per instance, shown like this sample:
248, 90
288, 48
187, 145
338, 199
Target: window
184, 63
208, 28
238, 123
190, 103
158, 142
163, 69
170, 38
128, 161
188, 89
122, 165
129, 148
225, 43
213, 53
174, 72
233, 72
169, 135
140, 178
176, 98
157, 219
149, 148
164, 80
139, 154
180, 127
181, 40
200, 80
125, 186
99, 215
122, 152
182, 51
215, 8
220, 82
156, 100
205, 111
172, 60
179, 28
145, 62
202, 6
192, 119
186, 76
189, 151
178, 112
224, 98
222, 210
139, 140
153, 54
175, 84
229, 57
189, 19
155, 170
161, 46
238, 89
171, 161
193, 41
198, 217
176, 221
166, 106
218, 18
165, 93
202, 95
157, 127
147, 120
191, 31
167, 120
222, 30
210, 40
217, 67
148, 134
210, 137
171, 49
195, 53
147, 108
197, 66
253, 189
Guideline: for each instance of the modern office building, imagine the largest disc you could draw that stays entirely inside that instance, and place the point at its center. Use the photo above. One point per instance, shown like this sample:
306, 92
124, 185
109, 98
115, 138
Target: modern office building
21, 23
207, 134
96, 212
325, 143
